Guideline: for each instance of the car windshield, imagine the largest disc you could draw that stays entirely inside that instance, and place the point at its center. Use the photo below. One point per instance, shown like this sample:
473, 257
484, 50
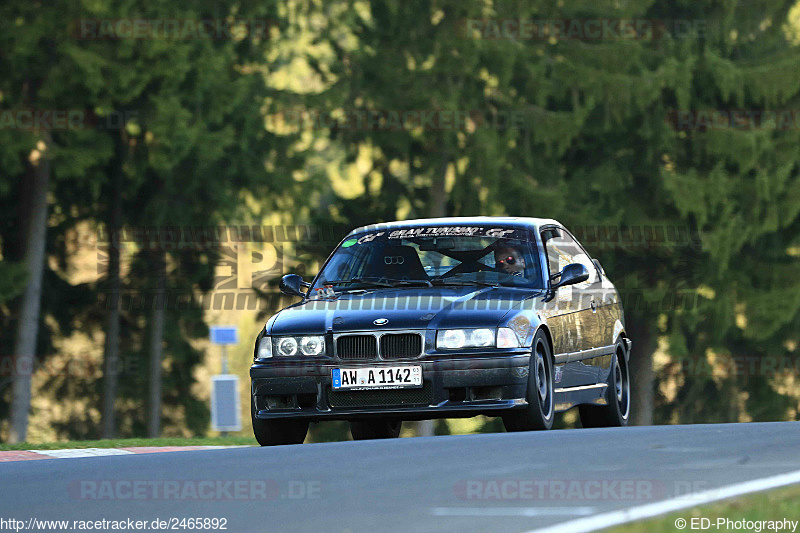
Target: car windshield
432, 256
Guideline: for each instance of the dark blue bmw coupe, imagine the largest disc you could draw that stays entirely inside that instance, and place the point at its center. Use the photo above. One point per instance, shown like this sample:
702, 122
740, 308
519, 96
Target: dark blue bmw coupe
442, 318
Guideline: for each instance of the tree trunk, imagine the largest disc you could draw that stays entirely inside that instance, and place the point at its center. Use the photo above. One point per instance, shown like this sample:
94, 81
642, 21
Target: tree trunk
28, 325
111, 363
640, 331
438, 199
156, 348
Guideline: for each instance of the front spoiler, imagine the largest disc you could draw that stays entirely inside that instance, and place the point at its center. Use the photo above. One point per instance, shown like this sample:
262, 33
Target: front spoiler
445, 409
304, 390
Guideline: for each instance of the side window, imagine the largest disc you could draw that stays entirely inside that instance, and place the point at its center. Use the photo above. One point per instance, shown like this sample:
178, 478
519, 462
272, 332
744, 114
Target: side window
562, 250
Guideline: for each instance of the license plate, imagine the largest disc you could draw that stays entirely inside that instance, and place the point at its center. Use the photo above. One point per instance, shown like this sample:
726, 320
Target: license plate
377, 377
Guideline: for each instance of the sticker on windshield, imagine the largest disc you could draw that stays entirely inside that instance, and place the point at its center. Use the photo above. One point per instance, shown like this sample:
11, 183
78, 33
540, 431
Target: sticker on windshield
498, 232
434, 231
368, 238
451, 231
462, 231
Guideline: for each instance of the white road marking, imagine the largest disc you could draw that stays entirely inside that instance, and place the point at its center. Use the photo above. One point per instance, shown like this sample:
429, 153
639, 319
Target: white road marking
11, 456
86, 452
615, 518
512, 511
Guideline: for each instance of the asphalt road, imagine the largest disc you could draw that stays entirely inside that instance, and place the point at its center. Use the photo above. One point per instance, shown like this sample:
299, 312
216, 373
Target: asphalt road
489, 482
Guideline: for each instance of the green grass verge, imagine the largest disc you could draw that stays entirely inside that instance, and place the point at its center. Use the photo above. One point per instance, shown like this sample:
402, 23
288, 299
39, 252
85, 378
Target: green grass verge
125, 443
772, 505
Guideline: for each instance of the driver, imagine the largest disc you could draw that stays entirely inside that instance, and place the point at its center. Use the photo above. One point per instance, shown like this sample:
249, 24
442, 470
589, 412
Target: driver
510, 260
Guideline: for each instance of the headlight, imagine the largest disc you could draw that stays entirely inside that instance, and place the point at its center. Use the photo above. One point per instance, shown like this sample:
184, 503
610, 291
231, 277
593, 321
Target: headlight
287, 346
264, 348
451, 339
482, 337
312, 345
309, 345
455, 339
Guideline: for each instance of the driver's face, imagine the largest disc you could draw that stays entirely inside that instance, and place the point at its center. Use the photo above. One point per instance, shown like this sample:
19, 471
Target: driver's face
509, 260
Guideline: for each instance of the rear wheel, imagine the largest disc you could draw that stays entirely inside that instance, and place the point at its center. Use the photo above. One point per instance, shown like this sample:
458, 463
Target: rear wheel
540, 410
617, 410
375, 429
277, 432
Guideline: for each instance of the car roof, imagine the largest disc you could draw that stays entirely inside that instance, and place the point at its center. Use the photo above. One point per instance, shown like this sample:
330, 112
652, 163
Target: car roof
527, 222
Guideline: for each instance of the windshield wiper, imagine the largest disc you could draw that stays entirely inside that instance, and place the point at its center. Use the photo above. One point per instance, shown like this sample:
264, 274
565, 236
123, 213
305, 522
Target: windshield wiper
456, 283
410, 282
381, 282
368, 282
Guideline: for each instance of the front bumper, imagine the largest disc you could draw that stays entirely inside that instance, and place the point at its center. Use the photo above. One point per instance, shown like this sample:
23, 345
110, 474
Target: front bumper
452, 387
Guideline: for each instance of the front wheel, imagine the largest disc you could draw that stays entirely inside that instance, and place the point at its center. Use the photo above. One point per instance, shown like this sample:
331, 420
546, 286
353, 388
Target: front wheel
277, 432
539, 412
617, 410
375, 429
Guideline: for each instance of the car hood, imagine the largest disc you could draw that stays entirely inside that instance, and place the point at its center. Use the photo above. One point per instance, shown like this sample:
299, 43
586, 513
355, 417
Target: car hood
437, 307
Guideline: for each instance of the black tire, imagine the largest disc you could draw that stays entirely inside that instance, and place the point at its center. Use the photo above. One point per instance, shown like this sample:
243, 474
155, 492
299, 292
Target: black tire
278, 432
375, 429
540, 411
617, 410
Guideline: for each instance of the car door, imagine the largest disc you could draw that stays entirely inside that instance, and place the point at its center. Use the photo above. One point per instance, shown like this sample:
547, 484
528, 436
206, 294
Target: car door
576, 316
592, 290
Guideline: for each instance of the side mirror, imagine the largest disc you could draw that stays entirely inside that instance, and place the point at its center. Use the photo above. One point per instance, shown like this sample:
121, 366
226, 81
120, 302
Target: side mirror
291, 283
572, 274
